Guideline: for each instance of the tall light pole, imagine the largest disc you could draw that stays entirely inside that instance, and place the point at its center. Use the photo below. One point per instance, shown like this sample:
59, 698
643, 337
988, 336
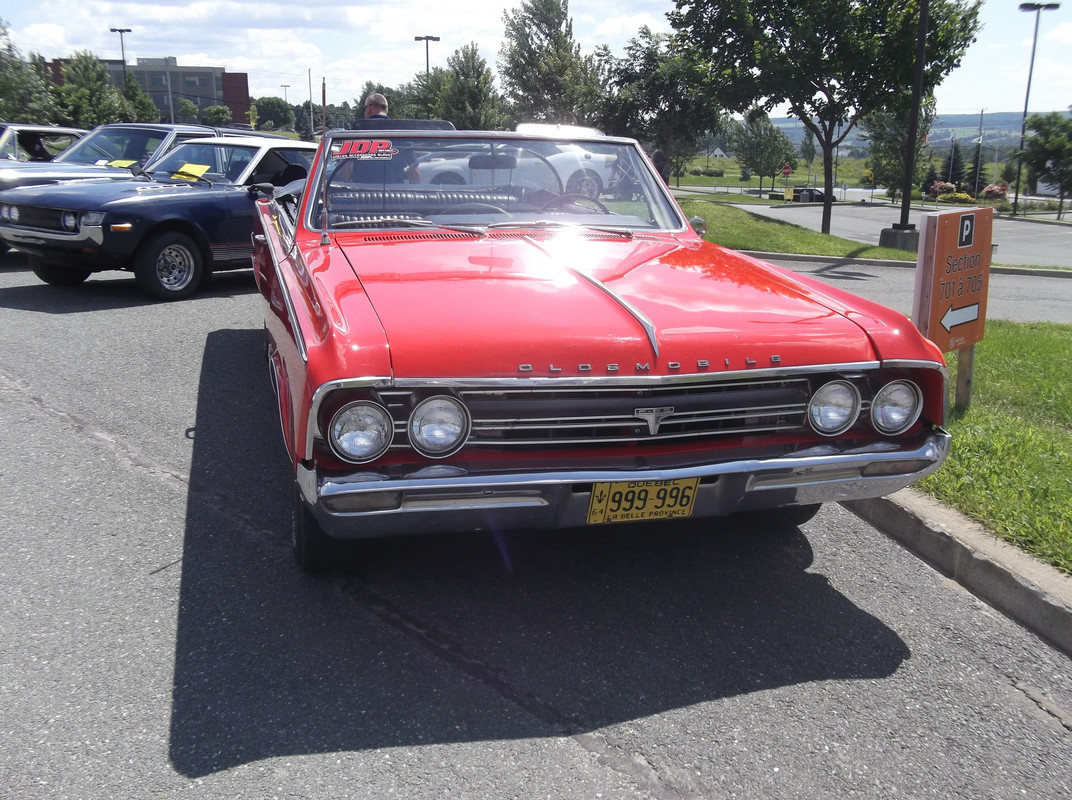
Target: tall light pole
122, 50
284, 87
426, 40
1038, 8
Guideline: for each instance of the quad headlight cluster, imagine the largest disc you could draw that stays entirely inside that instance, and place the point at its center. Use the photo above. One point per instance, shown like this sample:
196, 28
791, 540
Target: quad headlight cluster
9, 213
362, 431
836, 406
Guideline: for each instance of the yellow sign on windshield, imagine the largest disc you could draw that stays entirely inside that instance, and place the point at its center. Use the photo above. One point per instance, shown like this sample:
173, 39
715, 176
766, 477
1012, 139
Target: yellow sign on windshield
190, 172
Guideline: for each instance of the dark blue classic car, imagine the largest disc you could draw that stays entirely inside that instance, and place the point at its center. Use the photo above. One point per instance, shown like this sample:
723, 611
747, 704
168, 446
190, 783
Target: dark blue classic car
187, 214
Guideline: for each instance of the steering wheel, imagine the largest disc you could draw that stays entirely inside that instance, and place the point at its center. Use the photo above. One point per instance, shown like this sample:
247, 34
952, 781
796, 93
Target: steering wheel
575, 198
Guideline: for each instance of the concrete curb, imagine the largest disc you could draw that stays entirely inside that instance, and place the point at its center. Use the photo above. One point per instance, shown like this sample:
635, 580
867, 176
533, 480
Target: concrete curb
1026, 590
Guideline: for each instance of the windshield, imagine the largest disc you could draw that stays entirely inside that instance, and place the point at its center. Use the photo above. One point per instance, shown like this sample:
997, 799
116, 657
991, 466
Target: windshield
369, 180
117, 147
217, 163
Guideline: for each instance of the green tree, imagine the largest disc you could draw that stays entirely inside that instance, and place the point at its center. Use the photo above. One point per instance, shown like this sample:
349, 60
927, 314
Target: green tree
544, 76
760, 147
952, 170
275, 111
831, 61
186, 110
468, 97
654, 96
142, 106
217, 116
87, 98
887, 133
24, 89
1048, 152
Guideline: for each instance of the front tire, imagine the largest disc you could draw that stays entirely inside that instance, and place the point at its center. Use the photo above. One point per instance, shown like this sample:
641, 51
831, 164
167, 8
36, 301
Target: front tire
314, 551
585, 182
55, 275
169, 266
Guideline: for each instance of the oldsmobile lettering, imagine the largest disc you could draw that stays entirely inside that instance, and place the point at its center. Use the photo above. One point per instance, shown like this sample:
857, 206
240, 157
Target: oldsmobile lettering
702, 365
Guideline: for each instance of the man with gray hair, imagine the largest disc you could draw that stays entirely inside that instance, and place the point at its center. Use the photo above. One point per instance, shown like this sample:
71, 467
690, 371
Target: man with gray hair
375, 106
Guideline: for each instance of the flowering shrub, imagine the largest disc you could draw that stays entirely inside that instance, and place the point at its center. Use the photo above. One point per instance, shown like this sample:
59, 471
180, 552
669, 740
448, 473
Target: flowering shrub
941, 187
957, 198
996, 191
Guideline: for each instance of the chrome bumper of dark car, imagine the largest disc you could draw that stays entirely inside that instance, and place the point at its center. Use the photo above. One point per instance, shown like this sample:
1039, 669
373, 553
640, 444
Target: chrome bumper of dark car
442, 498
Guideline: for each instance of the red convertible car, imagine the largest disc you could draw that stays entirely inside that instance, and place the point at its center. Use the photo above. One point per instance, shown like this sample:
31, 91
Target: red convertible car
509, 354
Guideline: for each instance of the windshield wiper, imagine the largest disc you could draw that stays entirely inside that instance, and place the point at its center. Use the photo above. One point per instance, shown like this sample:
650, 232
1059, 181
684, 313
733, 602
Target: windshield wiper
409, 222
626, 233
183, 174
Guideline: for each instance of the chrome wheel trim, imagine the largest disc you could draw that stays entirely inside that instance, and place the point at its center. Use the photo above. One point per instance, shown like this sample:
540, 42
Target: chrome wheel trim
175, 267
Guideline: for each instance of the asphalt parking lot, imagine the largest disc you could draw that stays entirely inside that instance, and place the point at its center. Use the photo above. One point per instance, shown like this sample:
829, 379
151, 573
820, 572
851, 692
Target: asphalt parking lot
159, 641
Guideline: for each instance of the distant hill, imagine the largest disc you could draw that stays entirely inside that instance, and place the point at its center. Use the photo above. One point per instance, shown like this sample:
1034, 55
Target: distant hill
1000, 129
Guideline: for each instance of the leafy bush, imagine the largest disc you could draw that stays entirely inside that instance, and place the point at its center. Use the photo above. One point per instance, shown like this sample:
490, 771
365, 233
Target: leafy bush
996, 191
714, 173
956, 198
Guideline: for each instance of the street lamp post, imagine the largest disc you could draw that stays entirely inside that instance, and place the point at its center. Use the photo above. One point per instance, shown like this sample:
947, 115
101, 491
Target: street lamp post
426, 40
123, 50
284, 87
1038, 8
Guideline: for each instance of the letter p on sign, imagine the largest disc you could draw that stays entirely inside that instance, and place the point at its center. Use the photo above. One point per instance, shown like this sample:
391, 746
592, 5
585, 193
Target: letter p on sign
967, 231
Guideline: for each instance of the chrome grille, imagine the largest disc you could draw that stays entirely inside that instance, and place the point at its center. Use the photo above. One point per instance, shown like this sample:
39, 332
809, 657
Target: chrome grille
609, 415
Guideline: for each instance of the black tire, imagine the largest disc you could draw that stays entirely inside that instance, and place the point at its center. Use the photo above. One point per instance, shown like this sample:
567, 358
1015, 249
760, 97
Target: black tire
56, 275
585, 182
314, 551
169, 266
780, 518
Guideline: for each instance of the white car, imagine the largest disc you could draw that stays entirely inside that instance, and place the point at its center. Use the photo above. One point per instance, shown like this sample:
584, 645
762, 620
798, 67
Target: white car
580, 171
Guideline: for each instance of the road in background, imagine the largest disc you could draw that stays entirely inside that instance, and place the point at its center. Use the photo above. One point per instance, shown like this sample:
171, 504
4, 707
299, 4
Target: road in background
1020, 242
1037, 298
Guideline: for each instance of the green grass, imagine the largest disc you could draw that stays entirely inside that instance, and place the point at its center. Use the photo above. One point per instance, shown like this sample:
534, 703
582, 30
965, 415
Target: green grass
1010, 466
736, 228
1011, 460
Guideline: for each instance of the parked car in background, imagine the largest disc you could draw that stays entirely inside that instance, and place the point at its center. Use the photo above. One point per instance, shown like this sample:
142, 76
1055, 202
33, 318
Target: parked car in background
809, 194
510, 353
23, 142
109, 151
186, 215
579, 170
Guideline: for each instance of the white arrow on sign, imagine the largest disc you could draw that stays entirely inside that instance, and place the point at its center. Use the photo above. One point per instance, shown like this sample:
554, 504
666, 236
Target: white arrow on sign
959, 316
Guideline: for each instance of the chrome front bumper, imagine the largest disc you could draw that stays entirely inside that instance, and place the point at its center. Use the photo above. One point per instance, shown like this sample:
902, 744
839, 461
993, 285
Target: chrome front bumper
443, 498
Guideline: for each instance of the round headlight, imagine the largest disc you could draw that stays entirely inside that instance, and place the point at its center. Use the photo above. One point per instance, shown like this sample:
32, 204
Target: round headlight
438, 426
69, 221
834, 408
361, 431
896, 407
11, 214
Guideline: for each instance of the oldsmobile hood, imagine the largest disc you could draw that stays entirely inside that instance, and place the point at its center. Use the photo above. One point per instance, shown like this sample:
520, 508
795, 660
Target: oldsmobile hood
595, 305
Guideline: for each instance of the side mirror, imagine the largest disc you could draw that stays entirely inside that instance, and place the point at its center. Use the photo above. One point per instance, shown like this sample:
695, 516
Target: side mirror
699, 224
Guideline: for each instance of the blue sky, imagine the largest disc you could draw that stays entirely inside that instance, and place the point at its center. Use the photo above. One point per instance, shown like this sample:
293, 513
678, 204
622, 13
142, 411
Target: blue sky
347, 42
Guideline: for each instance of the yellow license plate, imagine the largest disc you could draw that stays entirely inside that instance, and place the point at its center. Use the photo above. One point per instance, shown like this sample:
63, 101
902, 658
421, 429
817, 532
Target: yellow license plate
629, 501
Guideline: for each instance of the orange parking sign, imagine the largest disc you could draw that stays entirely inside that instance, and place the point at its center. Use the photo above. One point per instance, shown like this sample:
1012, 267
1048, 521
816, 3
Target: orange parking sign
953, 276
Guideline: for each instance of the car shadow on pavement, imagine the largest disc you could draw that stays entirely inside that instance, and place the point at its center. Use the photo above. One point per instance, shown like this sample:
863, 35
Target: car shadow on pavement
467, 637
103, 291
